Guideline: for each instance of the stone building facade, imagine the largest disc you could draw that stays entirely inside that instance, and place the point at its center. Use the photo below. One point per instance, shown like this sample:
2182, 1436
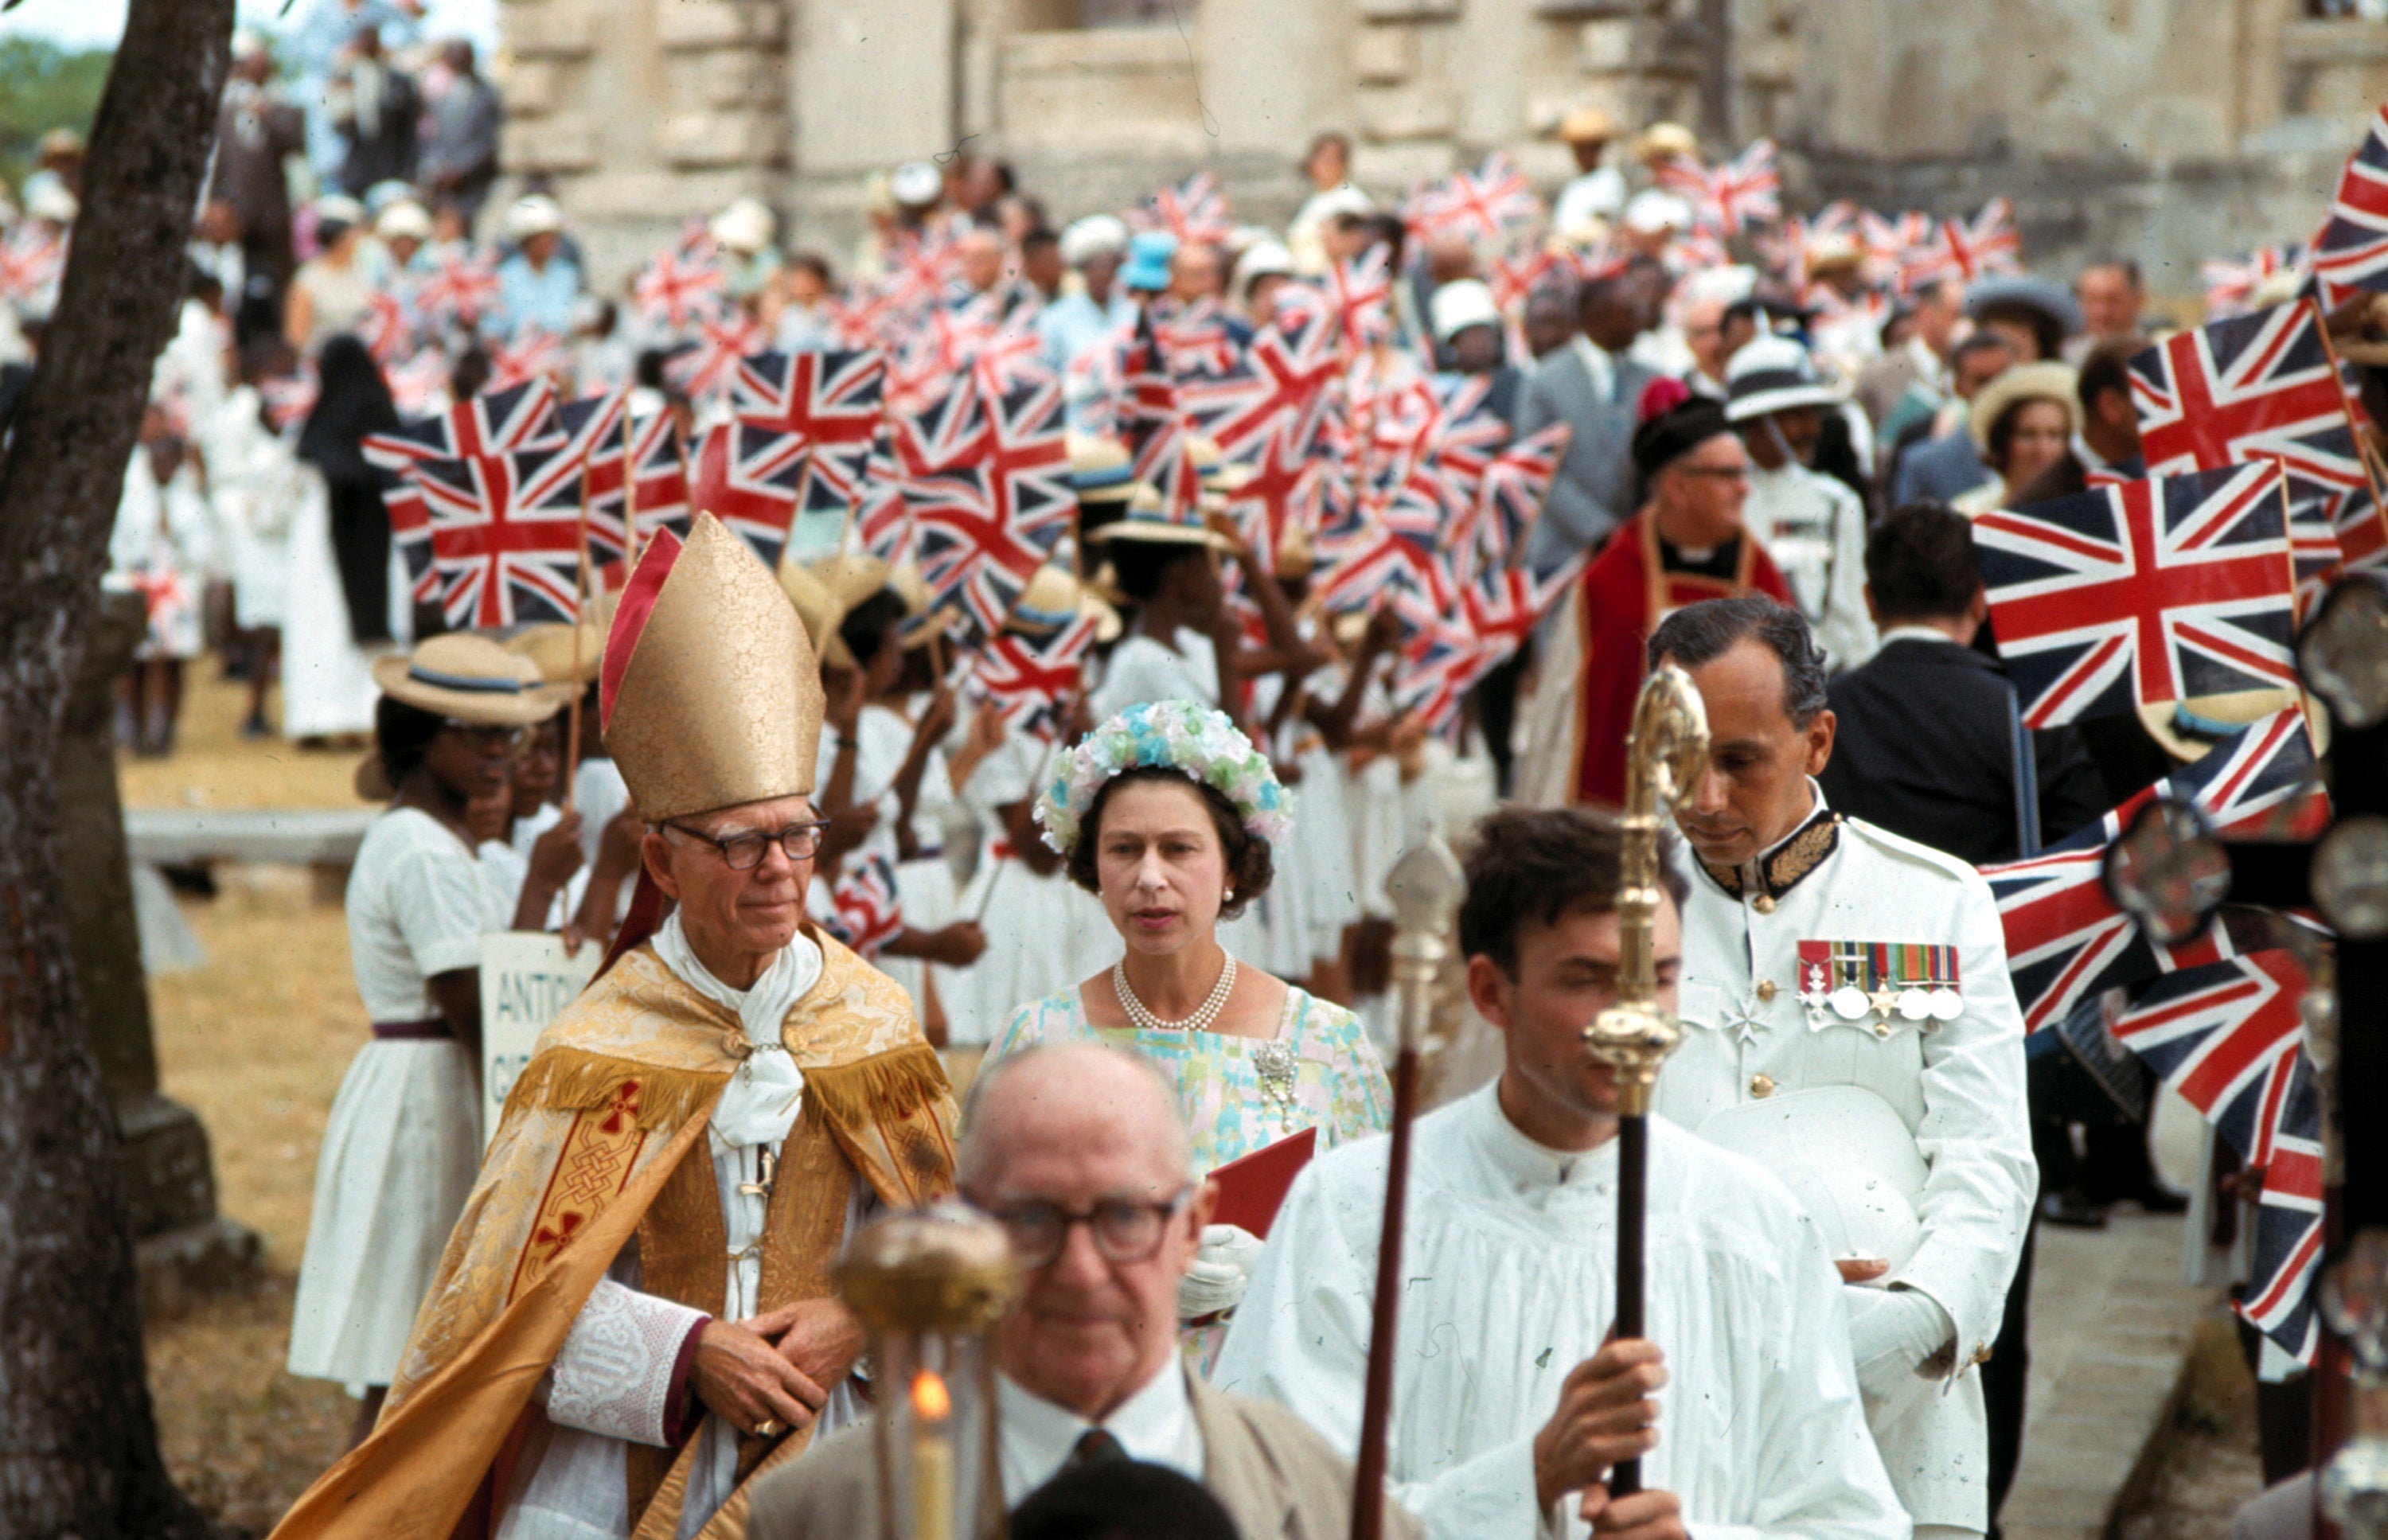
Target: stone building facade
2170, 130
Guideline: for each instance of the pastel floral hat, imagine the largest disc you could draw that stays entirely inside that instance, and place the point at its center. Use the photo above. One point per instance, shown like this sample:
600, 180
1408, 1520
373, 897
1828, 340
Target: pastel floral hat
1193, 740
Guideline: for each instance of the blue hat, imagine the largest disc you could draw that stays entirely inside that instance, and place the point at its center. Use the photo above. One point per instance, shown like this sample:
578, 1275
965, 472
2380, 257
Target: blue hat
1148, 259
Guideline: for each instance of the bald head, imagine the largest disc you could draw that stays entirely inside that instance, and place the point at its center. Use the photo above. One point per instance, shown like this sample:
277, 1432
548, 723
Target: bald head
1062, 1136
1072, 1095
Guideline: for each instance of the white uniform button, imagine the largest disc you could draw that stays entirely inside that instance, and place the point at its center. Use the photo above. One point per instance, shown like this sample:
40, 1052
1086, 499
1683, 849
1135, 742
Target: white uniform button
1762, 903
1761, 1086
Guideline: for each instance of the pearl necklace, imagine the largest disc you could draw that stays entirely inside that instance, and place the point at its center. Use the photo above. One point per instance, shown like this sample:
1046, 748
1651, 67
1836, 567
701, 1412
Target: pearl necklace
1206, 1013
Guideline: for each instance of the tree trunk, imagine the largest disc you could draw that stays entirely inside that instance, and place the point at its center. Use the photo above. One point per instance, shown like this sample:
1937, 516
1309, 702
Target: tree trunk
78, 1445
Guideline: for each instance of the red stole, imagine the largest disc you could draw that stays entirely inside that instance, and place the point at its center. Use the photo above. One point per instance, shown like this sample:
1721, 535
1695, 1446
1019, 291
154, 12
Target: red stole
1625, 593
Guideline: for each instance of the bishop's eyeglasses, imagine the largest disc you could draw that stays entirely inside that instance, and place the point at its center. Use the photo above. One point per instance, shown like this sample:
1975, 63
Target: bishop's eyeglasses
744, 853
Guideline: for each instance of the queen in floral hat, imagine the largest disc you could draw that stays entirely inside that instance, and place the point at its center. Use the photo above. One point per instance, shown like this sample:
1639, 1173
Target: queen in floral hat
1169, 814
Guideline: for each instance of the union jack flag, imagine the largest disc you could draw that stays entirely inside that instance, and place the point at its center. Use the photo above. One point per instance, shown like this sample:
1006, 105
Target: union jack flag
386, 330
2231, 286
1031, 679
2229, 1037
711, 363
1509, 498
1283, 493
658, 481
1969, 248
682, 283
983, 527
1195, 212
1161, 450
416, 383
1743, 191
1441, 660
2151, 591
2258, 386
2066, 939
1360, 292
493, 422
1488, 205
882, 517
531, 354
1195, 338
457, 292
748, 477
504, 536
869, 910
1283, 375
30, 260
830, 400
2349, 254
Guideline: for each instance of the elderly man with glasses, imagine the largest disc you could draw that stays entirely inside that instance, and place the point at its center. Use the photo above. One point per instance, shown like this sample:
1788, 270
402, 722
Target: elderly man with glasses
633, 1317
1078, 1149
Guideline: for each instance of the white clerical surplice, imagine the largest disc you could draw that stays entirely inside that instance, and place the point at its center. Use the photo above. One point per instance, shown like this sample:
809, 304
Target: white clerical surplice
1508, 1282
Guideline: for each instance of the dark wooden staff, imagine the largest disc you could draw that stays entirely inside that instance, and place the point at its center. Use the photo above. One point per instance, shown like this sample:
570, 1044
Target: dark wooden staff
1665, 756
1425, 887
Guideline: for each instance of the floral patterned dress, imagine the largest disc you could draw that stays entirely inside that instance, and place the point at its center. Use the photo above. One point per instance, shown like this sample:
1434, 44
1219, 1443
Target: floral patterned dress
1239, 1094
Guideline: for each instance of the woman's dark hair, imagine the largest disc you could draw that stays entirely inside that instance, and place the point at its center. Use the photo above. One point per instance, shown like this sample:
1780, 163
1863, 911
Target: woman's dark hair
2047, 329
404, 734
1249, 867
1142, 565
868, 626
2003, 429
351, 400
1540, 864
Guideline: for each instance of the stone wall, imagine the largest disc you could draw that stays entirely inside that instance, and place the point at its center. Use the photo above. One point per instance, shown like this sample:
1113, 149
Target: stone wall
2172, 130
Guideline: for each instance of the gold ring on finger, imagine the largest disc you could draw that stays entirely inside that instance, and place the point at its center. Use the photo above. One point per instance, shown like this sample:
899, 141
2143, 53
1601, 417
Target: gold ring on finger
767, 1428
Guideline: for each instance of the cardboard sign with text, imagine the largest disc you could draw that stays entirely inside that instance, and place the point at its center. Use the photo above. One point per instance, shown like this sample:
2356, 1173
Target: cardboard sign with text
525, 982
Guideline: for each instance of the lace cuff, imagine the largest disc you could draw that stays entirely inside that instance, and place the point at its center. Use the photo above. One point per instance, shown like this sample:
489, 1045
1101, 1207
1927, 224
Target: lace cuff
622, 1371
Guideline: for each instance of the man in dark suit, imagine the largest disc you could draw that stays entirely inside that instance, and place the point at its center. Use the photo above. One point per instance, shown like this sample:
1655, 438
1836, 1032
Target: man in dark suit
1590, 384
1926, 745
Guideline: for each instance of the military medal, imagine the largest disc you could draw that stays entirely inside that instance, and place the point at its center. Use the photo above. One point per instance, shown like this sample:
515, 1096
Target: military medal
1879, 984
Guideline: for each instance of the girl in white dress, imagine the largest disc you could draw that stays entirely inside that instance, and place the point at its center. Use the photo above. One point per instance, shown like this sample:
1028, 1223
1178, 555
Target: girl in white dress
404, 1138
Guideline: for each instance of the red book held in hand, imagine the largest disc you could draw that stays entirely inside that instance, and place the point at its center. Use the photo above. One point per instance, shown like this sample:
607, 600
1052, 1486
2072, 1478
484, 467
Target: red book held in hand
1250, 1189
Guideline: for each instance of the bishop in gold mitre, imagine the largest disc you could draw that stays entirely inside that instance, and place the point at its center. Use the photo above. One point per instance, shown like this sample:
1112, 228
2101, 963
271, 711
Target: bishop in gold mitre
633, 1317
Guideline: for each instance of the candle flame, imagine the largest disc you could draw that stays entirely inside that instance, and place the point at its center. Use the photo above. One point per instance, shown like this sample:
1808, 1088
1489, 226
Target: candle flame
931, 1400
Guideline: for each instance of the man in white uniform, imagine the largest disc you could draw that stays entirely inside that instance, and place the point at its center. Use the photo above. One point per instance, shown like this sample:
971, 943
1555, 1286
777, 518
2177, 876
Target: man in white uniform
1851, 1024
1510, 1405
1813, 526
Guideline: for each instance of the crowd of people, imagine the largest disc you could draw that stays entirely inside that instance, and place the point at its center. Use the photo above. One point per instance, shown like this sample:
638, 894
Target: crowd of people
1330, 538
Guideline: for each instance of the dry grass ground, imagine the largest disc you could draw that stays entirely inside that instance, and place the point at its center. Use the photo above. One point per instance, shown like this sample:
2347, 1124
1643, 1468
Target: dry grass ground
256, 1042
213, 765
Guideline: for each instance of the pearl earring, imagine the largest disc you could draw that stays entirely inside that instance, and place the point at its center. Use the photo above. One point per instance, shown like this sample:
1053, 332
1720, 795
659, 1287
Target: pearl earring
1230, 898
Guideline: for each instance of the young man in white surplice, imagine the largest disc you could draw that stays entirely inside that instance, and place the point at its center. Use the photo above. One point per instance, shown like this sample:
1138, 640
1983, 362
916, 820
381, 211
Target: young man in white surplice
1510, 1405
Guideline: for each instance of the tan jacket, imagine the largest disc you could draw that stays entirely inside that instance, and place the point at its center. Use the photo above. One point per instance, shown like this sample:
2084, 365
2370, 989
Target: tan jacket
1277, 1479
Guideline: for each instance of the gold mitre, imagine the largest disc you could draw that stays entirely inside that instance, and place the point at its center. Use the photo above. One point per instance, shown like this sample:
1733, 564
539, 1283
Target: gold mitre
710, 695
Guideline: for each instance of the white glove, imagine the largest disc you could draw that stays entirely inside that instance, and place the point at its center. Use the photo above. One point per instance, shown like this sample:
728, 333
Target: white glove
1222, 1270
1894, 1331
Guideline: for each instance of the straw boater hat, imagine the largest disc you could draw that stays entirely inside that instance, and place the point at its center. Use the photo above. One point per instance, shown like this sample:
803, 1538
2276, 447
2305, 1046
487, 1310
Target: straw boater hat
2046, 381
551, 645
471, 678
710, 696
1587, 125
1662, 140
820, 610
466, 678
1149, 522
1054, 599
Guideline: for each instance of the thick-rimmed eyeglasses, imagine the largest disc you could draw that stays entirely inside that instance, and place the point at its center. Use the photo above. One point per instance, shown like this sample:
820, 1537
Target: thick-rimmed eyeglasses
484, 736
1124, 1231
744, 853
